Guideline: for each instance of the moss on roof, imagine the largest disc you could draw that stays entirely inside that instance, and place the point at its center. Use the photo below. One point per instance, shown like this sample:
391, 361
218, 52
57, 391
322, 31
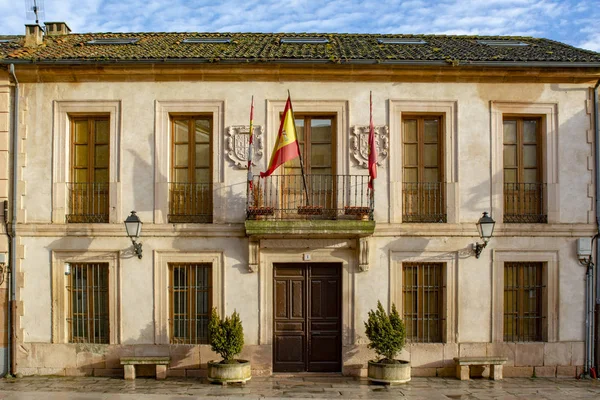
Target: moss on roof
266, 47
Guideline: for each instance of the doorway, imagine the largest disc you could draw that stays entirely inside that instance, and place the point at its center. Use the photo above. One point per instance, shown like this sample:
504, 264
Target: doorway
307, 317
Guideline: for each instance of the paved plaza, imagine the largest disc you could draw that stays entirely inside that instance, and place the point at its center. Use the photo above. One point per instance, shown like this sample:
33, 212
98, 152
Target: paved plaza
296, 386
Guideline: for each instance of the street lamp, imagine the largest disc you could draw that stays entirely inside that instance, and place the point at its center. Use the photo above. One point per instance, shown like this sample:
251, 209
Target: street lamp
485, 226
133, 226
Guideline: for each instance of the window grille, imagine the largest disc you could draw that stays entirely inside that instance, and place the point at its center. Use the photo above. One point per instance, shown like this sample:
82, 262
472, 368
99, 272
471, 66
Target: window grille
422, 299
88, 301
190, 299
523, 291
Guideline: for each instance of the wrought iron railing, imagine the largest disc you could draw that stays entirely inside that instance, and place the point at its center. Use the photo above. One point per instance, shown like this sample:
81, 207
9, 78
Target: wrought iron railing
190, 202
423, 202
524, 203
292, 197
88, 202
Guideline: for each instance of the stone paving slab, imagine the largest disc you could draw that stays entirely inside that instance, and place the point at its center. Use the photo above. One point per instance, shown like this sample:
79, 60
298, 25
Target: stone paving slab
296, 387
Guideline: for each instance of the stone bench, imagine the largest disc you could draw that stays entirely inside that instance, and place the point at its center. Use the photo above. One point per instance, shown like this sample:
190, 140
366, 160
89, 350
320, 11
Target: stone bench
463, 365
161, 363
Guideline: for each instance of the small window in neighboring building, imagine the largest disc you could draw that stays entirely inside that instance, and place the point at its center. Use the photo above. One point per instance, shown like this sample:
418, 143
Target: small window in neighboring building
523, 297
113, 41
401, 41
502, 42
207, 40
304, 40
190, 302
422, 299
88, 303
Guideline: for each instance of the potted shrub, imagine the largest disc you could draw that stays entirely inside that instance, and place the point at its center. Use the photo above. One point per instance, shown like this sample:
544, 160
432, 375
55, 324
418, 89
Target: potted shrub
227, 339
387, 336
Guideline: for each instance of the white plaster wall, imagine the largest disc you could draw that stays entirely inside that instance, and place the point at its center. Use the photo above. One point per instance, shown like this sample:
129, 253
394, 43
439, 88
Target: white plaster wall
241, 288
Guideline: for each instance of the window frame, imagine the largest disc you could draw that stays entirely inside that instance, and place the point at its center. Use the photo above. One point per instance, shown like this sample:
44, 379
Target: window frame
61, 154
550, 305
60, 296
448, 110
162, 259
548, 112
449, 275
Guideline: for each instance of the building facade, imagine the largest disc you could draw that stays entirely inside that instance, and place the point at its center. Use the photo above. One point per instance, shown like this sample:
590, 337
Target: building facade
158, 123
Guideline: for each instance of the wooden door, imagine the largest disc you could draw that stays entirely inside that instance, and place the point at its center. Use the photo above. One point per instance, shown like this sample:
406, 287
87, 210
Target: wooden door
307, 318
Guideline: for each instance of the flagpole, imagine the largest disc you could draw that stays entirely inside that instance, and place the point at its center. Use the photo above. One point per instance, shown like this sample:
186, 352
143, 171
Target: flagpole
299, 152
250, 140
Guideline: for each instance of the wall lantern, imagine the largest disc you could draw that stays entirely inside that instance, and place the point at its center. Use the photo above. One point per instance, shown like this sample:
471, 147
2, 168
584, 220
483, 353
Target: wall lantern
133, 226
485, 226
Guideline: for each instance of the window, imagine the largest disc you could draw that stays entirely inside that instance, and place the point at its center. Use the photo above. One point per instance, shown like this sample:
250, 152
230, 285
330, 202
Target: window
315, 138
523, 299
523, 187
423, 187
88, 320
190, 302
90, 154
401, 41
422, 301
191, 169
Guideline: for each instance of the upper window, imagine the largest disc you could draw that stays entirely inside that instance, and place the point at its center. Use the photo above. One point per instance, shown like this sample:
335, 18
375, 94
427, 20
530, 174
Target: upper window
422, 301
88, 320
190, 295
423, 173
190, 187
523, 185
89, 184
523, 299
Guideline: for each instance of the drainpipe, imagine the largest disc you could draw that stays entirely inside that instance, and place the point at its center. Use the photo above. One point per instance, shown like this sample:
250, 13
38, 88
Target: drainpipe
12, 356
597, 167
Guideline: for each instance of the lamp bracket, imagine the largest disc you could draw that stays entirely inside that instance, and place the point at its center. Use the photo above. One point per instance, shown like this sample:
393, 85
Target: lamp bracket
137, 248
478, 248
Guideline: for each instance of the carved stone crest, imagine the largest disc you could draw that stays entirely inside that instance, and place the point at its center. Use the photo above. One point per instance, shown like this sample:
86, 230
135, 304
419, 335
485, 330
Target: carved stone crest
359, 144
238, 137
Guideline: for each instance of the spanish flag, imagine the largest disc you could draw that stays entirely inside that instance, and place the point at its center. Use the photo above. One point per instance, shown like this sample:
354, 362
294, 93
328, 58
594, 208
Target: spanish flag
286, 146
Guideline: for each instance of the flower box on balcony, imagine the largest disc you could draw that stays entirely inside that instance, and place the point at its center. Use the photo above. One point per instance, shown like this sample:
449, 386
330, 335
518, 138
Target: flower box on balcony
354, 210
254, 211
310, 210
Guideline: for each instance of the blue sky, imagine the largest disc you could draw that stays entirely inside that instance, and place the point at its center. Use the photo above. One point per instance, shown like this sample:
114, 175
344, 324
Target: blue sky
575, 22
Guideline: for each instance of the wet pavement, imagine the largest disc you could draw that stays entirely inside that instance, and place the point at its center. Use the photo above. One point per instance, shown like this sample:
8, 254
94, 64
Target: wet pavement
295, 386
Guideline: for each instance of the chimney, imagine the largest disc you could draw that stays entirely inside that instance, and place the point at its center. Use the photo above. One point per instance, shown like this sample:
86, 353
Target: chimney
34, 35
57, 28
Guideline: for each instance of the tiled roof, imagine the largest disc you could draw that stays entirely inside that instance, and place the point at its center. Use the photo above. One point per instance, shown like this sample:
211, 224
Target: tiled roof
267, 47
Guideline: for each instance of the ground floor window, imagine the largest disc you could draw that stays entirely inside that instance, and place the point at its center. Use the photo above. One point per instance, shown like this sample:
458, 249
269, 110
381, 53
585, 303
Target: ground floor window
422, 301
190, 302
88, 320
523, 300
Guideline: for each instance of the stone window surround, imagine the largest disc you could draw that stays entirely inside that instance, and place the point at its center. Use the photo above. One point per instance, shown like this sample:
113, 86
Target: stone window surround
549, 114
60, 296
162, 154
62, 110
448, 110
162, 258
273, 251
339, 108
450, 261
550, 297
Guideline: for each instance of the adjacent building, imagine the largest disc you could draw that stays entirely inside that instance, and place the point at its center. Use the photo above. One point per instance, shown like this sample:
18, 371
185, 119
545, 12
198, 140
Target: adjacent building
158, 123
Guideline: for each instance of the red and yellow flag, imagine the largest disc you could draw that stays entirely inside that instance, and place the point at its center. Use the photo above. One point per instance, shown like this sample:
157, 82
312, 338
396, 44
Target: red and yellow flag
286, 146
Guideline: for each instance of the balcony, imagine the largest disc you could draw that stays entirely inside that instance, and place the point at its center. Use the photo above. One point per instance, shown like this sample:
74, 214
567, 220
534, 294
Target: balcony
324, 205
88, 202
190, 203
423, 202
524, 203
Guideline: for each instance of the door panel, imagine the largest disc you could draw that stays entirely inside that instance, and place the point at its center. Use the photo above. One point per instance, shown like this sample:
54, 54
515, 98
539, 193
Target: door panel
307, 318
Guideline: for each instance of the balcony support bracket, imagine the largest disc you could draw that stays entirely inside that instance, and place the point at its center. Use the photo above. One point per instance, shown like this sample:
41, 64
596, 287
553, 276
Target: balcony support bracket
363, 254
253, 255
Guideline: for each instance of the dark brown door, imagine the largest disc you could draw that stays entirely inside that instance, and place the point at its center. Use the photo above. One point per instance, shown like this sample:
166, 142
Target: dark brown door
307, 318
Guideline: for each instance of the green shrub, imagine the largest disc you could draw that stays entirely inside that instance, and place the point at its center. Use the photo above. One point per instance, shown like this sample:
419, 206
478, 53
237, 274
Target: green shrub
226, 336
386, 332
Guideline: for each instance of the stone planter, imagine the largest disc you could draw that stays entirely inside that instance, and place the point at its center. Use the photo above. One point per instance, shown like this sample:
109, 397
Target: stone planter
226, 373
389, 373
